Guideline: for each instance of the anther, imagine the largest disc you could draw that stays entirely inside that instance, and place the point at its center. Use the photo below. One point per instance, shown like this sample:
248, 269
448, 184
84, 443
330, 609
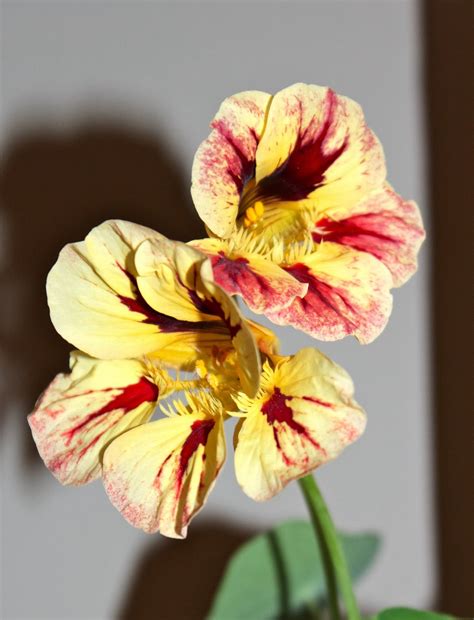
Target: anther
259, 208
251, 214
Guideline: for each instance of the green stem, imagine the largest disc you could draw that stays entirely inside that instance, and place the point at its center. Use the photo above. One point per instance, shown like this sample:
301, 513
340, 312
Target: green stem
334, 561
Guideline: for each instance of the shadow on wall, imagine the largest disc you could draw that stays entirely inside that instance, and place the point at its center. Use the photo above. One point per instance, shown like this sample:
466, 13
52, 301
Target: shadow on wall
54, 187
177, 579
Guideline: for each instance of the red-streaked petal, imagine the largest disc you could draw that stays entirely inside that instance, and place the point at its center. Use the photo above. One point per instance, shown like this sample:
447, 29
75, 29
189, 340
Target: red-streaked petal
225, 161
348, 294
159, 476
303, 417
384, 225
80, 412
263, 285
317, 145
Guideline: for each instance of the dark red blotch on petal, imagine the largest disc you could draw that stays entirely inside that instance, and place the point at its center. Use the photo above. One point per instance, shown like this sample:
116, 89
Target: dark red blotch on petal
231, 268
305, 168
276, 410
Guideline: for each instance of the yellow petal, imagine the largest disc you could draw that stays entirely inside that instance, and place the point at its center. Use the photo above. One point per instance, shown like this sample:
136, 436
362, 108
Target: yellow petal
226, 159
303, 416
92, 295
81, 412
159, 475
348, 294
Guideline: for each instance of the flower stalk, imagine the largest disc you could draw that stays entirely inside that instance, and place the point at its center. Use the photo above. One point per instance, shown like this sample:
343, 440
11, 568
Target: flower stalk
334, 562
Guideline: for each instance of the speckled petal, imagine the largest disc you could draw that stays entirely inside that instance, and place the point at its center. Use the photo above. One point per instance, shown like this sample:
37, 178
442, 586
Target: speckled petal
81, 412
225, 161
262, 284
159, 476
383, 224
348, 294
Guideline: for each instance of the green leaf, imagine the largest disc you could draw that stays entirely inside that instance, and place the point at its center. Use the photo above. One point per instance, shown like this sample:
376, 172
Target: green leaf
278, 573
403, 613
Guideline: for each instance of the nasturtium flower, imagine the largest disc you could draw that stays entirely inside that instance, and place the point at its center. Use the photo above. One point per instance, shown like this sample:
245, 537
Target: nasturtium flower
127, 291
299, 171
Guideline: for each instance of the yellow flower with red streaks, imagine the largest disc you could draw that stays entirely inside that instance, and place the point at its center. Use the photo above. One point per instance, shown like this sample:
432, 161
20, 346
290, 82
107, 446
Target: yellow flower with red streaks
305, 227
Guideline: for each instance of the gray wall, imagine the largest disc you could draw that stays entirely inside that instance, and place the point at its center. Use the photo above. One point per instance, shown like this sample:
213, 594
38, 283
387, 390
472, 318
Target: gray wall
163, 68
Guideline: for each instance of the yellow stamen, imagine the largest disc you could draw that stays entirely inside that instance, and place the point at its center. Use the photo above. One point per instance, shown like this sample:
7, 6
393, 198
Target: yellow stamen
201, 368
259, 208
251, 215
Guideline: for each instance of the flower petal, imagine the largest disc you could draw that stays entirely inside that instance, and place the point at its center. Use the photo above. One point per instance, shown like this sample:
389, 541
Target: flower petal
263, 285
316, 142
383, 224
79, 413
225, 161
267, 341
348, 294
92, 295
159, 475
302, 418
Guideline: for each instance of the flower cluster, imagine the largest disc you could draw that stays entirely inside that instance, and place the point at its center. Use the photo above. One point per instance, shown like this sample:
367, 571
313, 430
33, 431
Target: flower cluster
304, 227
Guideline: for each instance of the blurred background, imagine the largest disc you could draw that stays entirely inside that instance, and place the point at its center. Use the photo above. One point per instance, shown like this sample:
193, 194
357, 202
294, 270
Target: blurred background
103, 104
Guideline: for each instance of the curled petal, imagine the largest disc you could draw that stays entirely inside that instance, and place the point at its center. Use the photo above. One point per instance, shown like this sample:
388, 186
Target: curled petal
348, 294
159, 476
225, 161
81, 412
383, 224
316, 144
93, 298
302, 417
262, 284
